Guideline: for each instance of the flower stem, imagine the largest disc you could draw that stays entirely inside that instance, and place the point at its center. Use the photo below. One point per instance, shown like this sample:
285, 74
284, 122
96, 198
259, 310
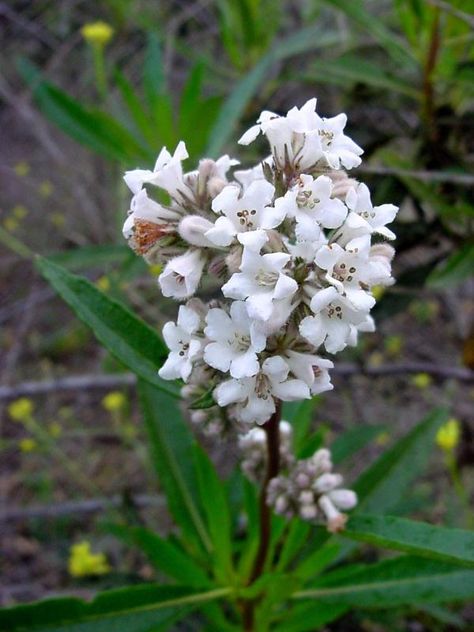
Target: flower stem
272, 430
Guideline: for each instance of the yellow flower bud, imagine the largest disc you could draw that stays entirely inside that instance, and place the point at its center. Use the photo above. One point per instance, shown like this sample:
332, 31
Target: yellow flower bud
55, 429
22, 169
378, 291
27, 445
422, 380
114, 401
103, 283
97, 33
84, 563
21, 409
394, 345
447, 437
156, 269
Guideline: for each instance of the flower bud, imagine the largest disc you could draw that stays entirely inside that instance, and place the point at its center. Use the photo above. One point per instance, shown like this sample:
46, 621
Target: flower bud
192, 229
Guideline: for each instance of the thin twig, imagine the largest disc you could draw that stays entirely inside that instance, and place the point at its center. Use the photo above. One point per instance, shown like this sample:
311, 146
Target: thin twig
446, 6
104, 382
77, 507
463, 179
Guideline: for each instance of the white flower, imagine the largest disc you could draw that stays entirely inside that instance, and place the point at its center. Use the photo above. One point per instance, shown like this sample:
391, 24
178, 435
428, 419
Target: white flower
193, 228
261, 282
256, 394
184, 346
310, 203
310, 368
349, 270
302, 138
167, 173
246, 176
365, 218
330, 504
334, 321
338, 149
243, 212
147, 222
235, 341
182, 274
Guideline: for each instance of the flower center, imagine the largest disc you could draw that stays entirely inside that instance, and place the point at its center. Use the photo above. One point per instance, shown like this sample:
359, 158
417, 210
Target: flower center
334, 311
326, 137
266, 278
240, 342
343, 273
262, 387
245, 218
305, 199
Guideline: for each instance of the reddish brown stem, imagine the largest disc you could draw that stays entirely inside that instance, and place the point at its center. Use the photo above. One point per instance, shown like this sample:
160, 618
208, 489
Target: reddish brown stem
272, 429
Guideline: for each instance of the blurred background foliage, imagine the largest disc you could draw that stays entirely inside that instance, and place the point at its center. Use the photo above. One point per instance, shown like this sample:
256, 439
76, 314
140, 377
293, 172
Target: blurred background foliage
88, 90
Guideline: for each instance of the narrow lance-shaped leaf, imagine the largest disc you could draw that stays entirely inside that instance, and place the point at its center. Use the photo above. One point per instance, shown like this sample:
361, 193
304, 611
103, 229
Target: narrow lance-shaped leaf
171, 445
128, 338
306, 39
93, 128
450, 545
165, 556
395, 582
216, 507
135, 609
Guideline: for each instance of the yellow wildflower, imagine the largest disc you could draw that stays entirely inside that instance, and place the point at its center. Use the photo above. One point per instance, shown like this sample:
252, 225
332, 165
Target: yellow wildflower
19, 211
103, 283
97, 33
394, 345
45, 188
57, 219
54, 429
28, 444
422, 380
383, 438
10, 224
113, 401
447, 437
22, 169
84, 563
21, 409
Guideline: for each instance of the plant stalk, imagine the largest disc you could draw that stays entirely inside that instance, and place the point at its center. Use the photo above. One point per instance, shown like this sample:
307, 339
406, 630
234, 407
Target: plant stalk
272, 430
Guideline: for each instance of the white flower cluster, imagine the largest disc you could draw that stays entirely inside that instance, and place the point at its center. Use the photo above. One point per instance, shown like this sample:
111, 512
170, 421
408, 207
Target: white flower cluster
253, 447
290, 243
312, 491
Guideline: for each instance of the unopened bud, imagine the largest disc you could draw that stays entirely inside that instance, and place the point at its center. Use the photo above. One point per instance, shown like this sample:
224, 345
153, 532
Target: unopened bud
192, 229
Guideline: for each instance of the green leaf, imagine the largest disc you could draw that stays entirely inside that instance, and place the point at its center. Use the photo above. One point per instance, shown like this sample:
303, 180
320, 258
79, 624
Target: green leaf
354, 69
138, 113
165, 556
135, 609
154, 81
385, 482
294, 541
368, 21
309, 617
129, 339
216, 507
94, 129
401, 581
426, 540
91, 256
306, 39
171, 445
457, 268
352, 441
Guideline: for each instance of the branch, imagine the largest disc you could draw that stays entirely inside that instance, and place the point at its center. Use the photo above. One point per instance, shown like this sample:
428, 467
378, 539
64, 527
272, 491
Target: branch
104, 382
90, 506
464, 179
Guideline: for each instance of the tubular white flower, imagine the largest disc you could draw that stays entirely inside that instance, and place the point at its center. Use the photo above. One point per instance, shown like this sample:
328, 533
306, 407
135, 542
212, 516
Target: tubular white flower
261, 282
167, 173
256, 394
185, 347
365, 218
243, 212
235, 341
182, 274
